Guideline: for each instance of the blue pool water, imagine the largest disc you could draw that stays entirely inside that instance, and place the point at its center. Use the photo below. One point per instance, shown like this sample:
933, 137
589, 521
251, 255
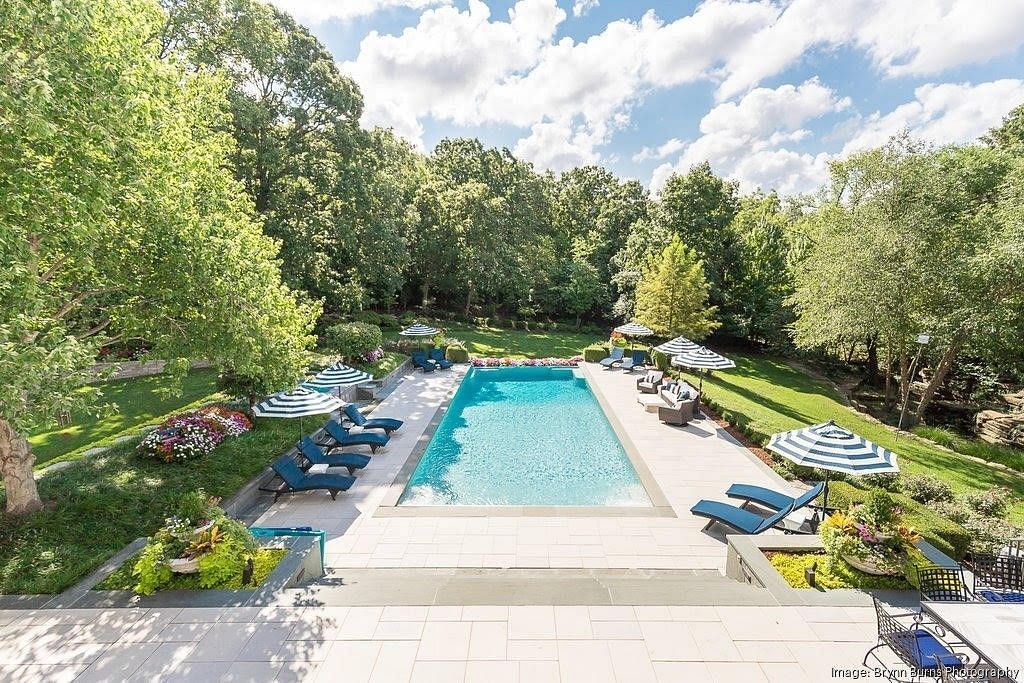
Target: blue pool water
524, 436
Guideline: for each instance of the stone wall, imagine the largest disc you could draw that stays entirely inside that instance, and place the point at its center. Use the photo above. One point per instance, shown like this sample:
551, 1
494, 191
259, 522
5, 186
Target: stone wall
130, 369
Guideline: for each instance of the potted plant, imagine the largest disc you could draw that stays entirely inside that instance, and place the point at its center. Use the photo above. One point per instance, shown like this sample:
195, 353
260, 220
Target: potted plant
871, 537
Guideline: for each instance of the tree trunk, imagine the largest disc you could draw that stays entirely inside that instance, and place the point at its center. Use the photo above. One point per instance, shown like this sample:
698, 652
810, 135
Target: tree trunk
941, 370
426, 293
889, 398
16, 462
872, 345
469, 298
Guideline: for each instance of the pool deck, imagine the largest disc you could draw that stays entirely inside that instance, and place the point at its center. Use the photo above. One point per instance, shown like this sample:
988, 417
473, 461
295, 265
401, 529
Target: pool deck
457, 599
687, 463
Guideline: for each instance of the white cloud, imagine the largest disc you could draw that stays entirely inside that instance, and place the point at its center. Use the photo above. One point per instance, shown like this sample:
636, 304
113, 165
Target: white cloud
314, 12
581, 7
901, 38
942, 113
558, 146
667, 148
743, 139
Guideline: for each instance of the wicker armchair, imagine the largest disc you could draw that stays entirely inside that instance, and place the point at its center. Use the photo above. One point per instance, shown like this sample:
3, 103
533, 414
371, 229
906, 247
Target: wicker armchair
651, 382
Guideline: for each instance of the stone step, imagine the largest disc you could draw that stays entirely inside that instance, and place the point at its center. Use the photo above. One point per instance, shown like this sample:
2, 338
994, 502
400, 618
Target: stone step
371, 587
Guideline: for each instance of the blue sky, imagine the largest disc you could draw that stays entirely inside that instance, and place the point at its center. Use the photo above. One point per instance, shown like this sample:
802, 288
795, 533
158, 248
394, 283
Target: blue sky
767, 91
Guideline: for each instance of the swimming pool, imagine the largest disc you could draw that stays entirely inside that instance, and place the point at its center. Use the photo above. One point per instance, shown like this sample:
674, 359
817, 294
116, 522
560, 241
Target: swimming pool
524, 436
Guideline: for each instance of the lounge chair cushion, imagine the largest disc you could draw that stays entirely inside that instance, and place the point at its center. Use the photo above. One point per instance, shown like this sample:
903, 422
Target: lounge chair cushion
773, 499
297, 480
317, 456
344, 437
990, 595
358, 419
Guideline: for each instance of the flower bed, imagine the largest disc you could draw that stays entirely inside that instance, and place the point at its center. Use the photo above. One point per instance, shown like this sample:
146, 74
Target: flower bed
526, 362
198, 547
193, 434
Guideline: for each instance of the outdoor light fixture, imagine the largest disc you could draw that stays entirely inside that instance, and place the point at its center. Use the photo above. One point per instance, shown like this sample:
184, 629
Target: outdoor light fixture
922, 341
809, 574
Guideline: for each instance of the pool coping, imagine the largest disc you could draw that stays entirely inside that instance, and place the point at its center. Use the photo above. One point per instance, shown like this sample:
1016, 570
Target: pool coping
659, 507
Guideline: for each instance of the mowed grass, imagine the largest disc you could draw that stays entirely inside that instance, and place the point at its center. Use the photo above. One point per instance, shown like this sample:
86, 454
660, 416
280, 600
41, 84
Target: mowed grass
123, 408
101, 503
766, 395
499, 343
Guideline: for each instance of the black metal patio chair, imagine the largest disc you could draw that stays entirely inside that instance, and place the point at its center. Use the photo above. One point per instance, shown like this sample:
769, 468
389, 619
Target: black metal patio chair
943, 584
998, 578
923, 652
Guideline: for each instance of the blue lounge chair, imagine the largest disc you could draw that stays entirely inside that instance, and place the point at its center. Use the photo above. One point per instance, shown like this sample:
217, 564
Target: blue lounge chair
388, 424
316, 456
773, 499
742, 520
638, 359
437, 355
338, 437
296, 480
420, 360
616, 357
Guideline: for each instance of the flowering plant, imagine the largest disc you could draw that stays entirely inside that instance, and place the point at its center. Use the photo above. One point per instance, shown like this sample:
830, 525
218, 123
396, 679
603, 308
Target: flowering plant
871, 535
194, 433
526, 362
373, 356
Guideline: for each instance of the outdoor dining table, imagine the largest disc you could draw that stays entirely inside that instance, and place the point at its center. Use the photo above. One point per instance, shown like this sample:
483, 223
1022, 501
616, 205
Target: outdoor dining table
995, 631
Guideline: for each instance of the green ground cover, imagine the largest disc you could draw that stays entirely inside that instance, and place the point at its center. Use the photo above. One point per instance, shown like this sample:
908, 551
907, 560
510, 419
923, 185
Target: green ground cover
829, 575
130, 405
379, 369
764, 395
101, 503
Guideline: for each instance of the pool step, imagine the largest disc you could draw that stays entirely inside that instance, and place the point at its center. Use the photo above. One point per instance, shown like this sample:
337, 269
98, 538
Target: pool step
526, 587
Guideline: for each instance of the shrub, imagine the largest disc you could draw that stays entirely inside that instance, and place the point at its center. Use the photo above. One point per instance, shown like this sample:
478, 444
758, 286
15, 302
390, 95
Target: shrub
457, 353
368, 317
193, 433
407, 318
595, 353
952, 510
889, 481
924, 488
662, 361
989, 503
990, 534
352, 339
388, 321
194, 506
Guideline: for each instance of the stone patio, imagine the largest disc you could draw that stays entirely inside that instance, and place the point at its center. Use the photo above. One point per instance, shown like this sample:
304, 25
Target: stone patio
688, 463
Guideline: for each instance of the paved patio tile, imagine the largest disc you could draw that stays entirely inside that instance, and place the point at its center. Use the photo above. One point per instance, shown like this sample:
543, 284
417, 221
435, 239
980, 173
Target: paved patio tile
573, 622
438, 672
118, 662
585, 661
352, 659
265, 642
488, 640
252, 672
445, 640
531, 623
52, 673
492, 672
631, 661
676, 672
222, 643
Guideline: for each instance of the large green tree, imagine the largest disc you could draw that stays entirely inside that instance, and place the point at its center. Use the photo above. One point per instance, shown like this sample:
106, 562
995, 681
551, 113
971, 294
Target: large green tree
121, 220
672, 296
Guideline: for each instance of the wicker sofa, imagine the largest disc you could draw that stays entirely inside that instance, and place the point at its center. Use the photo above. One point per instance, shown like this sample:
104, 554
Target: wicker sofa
681, 403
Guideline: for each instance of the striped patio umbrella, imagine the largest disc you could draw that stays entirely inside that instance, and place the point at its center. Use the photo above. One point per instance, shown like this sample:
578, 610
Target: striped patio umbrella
337, 375
703, 360
676, 346
419, 330
297, 403
829, 447
634, 330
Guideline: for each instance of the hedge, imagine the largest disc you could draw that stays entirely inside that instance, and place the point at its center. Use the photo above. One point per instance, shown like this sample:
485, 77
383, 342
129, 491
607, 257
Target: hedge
595, 353
948, 536
352, 339
457, 354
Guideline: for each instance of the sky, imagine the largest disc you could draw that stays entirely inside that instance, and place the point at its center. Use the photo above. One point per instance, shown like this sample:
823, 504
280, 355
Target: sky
767, 91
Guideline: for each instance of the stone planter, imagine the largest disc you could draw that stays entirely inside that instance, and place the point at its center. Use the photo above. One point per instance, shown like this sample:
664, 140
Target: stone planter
184, 565
868, 567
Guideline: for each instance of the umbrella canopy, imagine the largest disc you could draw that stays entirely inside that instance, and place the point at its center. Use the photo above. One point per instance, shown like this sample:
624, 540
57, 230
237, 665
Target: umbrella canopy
337, 375
677, 346
297, 403
829, 447
419, 330
634, 330
702, 358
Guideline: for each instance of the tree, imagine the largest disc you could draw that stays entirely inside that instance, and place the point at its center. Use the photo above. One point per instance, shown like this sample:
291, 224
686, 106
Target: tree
699, 207
672, 297
575, 288
120, 220
765, 281
1010, 133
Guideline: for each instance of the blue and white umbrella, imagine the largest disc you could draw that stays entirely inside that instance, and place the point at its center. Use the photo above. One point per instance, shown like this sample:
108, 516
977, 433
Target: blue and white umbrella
337, 375
677, 346
419, 330
634, 330
829, 447
297, 403
702, 358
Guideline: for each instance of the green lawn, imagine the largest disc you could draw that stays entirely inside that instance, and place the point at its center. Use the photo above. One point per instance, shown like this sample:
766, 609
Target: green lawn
494, 342
765, 396
1004, 455
100, 504
132, 403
